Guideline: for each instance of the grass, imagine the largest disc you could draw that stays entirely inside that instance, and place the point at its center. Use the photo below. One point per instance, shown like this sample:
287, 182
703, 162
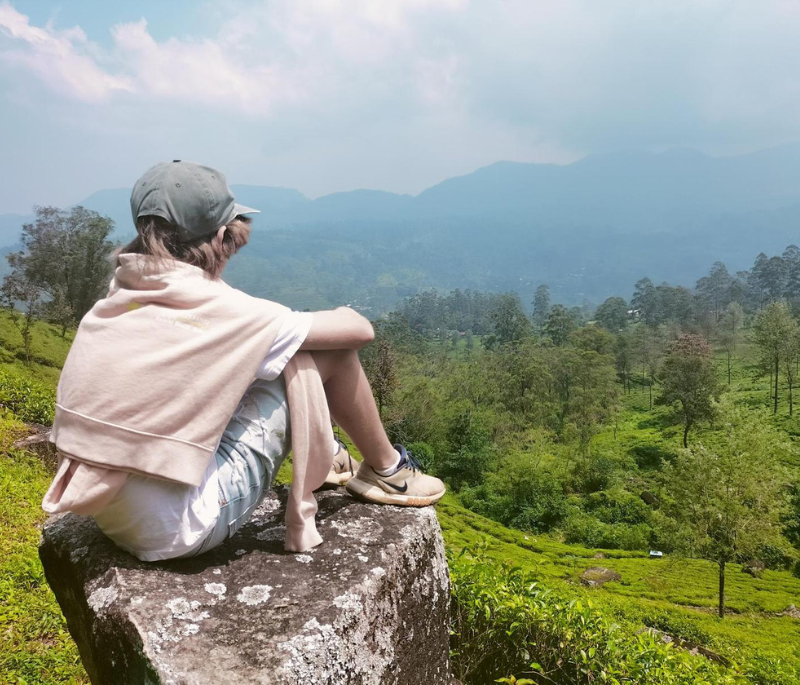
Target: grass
673, 594
35, 646
680, 592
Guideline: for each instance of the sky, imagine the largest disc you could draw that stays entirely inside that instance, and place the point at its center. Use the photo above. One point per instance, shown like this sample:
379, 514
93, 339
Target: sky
334, 95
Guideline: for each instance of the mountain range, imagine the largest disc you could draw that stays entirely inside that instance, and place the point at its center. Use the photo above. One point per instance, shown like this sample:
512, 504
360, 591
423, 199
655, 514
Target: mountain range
589, 229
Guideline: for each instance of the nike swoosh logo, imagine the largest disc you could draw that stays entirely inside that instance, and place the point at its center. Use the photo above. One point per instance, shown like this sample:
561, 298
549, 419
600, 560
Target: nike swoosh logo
397, 487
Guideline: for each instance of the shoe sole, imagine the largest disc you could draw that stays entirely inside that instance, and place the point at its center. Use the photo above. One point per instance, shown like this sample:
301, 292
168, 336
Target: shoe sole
334, 481
373, 493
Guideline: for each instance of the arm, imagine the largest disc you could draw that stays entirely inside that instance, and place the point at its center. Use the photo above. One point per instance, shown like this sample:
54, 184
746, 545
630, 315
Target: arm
338, 329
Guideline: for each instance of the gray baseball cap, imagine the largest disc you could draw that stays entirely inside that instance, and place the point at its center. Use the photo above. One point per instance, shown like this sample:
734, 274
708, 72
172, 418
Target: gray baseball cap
195, 198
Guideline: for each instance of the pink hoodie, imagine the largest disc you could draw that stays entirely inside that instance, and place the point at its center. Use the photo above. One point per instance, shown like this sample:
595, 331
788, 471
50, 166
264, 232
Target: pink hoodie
123, 404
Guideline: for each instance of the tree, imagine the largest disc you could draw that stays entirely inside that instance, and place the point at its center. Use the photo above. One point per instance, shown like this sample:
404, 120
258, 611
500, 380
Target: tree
791, 258
689, 380
774, 325
624, 358
714, 289
730, 500
560, 324
66, 254
789, 353
509, 322
645, 301
612, 314
649, 350
17, 289
379, 365
730, 331
541, 306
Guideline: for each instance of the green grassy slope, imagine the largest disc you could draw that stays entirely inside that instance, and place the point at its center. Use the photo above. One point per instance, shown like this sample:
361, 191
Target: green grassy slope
676, 595
673, 594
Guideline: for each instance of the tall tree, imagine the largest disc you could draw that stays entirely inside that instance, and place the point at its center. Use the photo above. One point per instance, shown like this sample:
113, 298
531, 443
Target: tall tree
759, 278
624, 358
645, 301
509, 322
560, 324
689, 381
791, 258
773, 326
790, 352
66, 254
382, 375
714, 289
612, 314
730, 331
541, 306
730, 499
649, 351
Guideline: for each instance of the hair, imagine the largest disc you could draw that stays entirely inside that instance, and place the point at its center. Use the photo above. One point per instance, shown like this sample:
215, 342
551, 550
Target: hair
159, 238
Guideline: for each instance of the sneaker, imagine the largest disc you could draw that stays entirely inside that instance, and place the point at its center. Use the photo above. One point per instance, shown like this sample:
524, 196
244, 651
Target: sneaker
343, 468
407, 486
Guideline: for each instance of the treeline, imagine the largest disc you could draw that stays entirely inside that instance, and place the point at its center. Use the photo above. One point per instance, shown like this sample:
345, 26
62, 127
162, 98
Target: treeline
517, 409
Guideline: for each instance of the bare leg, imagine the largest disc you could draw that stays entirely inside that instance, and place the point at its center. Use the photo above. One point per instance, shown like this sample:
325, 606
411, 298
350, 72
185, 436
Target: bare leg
352, 406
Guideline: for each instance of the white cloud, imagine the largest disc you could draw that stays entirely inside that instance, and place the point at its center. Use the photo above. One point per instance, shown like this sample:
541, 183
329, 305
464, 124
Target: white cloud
59, 58
263, 58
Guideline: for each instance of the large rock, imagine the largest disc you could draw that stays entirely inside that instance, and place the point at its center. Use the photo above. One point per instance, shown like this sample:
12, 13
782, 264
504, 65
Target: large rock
368, 606
597, 576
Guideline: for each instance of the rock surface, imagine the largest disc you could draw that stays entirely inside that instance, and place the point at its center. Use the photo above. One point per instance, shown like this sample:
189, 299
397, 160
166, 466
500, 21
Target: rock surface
369, 606
597, 576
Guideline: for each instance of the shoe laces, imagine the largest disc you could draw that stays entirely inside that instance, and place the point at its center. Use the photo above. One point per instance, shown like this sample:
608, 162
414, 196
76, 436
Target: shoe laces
412, 462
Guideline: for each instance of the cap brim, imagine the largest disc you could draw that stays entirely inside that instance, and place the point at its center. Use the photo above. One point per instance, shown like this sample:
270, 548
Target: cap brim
241, 209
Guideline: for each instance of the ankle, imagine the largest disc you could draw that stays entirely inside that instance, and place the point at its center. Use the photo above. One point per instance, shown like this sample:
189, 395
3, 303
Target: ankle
389, 470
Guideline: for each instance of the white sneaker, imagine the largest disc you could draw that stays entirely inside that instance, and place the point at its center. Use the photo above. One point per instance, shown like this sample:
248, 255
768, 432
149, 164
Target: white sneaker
407, 486
343, 468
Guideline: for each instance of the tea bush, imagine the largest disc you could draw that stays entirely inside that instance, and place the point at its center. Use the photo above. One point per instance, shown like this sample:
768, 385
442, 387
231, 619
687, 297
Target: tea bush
507, 627
29, 400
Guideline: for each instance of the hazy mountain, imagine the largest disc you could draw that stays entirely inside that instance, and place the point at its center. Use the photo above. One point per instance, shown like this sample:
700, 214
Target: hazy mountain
589, 229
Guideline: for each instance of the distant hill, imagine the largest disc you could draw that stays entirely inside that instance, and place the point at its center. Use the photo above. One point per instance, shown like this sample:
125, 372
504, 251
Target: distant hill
589, 229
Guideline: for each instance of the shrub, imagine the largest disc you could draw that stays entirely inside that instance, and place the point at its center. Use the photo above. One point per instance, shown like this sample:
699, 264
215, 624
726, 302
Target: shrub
586, 530
505, 624
521, 495
27, 399
617, 506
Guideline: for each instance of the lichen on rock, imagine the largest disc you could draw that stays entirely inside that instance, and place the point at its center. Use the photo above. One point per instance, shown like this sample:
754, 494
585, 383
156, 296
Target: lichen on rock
369, 606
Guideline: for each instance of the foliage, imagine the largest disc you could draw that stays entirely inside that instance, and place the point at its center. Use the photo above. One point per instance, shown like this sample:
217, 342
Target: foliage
28, 400
505, 621
380, 370
776, 334
35, 647
17, 289
66, 255
541, 307
612, 314
689, 380
729, 499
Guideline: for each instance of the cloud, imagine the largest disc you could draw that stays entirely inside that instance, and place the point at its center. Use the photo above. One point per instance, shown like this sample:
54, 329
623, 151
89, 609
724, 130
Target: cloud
59, 58
262, 60
328, 95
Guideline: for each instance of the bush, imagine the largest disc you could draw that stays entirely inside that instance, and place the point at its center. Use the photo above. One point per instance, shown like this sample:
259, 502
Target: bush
586, 530
506, 624
521, 495
596, 472
617, 506
423, 453
27, 399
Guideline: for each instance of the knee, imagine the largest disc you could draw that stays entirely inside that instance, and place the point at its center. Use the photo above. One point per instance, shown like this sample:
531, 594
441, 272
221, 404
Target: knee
331, 362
